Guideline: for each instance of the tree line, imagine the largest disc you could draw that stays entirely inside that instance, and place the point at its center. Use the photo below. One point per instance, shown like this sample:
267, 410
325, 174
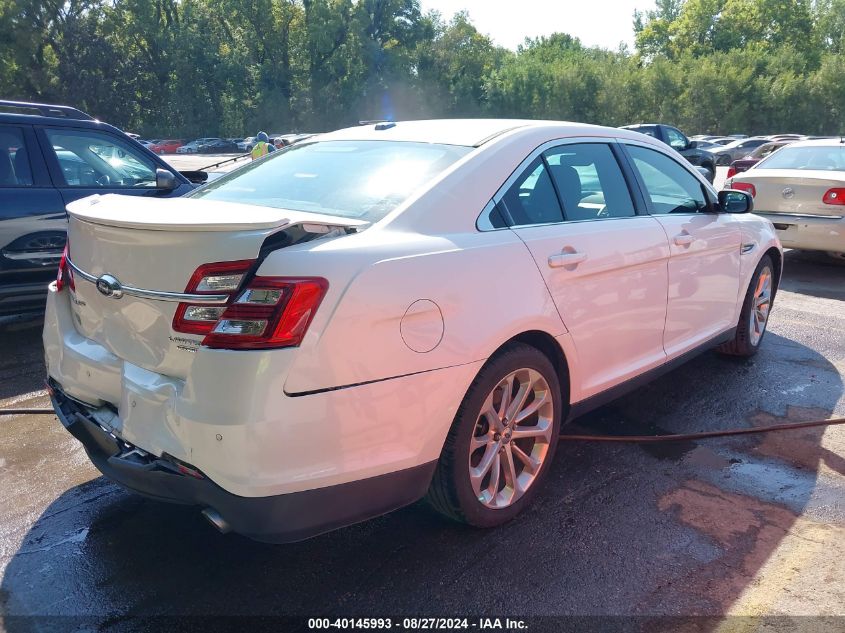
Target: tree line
229, 67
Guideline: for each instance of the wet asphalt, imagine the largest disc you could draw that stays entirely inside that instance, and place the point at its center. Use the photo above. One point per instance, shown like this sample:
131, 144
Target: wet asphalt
693, 528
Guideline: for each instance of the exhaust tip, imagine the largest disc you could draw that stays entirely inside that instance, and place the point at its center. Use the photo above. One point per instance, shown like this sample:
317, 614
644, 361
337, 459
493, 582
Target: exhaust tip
213, 517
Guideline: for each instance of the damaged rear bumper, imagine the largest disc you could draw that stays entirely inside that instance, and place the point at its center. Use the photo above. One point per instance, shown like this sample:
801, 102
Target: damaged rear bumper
281, 518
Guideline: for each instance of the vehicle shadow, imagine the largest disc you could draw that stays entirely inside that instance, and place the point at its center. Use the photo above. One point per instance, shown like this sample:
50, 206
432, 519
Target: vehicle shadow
813, 274
619, 530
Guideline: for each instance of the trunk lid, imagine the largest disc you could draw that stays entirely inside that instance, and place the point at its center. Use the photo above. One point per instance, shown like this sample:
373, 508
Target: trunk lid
793, 192
156, 245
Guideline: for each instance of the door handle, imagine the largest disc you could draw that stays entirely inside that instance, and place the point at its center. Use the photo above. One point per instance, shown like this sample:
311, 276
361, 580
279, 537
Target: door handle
558, 260
684, 239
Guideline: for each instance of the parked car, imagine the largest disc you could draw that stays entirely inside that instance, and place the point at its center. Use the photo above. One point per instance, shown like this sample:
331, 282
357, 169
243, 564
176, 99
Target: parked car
801, 190
246, 144
51, 155
193, 146
675, 139
167, 146
744, 164
726, 154
218, 146
298, 346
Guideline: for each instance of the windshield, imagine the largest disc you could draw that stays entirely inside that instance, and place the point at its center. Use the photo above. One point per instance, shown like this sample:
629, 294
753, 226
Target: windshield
354, 179
818, 157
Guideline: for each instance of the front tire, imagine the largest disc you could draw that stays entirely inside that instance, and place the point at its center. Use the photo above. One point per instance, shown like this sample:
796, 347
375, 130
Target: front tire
754, 316
502, 440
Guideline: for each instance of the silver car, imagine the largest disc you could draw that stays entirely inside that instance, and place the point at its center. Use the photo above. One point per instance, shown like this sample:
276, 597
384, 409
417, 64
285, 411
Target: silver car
801, 189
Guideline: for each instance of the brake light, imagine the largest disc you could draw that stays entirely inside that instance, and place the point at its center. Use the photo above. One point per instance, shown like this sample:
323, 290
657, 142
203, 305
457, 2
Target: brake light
269, 312
747, 187
218, 278
835, 196
64, 275
731, 172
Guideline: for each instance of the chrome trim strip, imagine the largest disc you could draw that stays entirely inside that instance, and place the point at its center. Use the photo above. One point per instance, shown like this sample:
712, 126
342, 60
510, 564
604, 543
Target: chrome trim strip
156, 295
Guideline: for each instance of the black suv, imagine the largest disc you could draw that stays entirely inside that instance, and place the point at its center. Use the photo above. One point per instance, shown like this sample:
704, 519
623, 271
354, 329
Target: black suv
49, 156
675, 139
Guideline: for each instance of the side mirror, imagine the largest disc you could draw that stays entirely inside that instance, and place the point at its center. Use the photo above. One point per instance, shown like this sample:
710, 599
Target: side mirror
733, 201
692, 145
165, 180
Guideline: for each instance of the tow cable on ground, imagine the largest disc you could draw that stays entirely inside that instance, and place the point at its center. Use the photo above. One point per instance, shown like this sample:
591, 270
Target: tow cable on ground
680, 437
672, 437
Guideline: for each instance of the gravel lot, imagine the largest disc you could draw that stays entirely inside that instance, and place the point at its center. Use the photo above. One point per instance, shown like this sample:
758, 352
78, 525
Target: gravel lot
745, 526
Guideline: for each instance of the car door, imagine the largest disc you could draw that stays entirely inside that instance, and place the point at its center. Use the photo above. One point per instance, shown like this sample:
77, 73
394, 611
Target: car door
705, 249
84, 162
32, 222
604, 265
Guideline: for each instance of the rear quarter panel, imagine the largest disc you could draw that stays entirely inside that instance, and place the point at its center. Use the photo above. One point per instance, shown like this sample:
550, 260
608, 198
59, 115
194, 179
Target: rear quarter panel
460, 295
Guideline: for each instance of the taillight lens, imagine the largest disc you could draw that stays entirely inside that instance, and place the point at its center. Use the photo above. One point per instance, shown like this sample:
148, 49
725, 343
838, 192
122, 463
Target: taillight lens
835, 196
747, 187
269, 312
64, 275
731, 172
209, 279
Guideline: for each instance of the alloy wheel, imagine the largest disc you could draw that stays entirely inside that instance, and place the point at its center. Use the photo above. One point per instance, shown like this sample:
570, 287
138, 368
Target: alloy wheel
761, 303
511, 438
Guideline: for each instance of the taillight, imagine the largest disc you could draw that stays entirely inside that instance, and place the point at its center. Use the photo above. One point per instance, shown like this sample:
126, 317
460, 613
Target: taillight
219, 278
834, 196
731, 172
747, 187
64, 275
269, 312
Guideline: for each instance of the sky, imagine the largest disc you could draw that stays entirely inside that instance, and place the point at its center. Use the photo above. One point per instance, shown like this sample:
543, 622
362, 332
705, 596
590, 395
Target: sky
604, 23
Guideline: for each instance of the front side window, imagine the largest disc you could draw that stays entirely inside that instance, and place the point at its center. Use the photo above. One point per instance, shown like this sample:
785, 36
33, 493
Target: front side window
355, 179
93, 159
669, 187
15, 170
676, 140
589, 181
812, 157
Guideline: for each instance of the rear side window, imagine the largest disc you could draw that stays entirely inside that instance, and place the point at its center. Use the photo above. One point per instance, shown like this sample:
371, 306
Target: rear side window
94, 159
15, 170
589, 181
355, 179
669, 187
532, 198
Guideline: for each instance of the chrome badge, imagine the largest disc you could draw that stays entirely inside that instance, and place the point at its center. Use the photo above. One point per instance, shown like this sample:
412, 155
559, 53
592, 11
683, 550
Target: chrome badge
109, 286
788, 192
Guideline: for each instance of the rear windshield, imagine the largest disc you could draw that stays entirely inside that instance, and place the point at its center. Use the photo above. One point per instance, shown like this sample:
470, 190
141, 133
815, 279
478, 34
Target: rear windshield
820, 157
354, 179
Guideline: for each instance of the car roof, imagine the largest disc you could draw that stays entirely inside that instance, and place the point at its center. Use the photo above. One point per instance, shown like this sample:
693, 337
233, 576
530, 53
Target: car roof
466, 132
16, 118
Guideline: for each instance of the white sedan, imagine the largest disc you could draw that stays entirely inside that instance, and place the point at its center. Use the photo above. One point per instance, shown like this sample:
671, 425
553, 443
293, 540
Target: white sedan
391, 312
801, 189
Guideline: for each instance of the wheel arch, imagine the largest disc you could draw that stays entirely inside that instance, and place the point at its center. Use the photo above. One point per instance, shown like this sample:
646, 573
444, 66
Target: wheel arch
777, 260
546, 344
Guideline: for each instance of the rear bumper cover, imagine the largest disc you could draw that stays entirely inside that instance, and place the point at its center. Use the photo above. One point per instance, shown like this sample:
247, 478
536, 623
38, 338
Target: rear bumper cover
813, 233
281, 518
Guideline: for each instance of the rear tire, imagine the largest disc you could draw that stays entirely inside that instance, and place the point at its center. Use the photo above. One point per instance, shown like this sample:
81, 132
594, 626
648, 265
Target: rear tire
711, 172
754, 316
502, 441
